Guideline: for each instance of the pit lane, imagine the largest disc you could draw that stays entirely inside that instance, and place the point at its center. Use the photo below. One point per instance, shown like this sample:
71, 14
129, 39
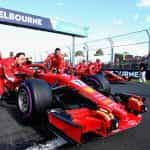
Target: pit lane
15, 135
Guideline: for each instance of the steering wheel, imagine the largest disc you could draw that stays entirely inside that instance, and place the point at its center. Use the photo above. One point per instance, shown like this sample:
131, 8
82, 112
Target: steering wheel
39, 68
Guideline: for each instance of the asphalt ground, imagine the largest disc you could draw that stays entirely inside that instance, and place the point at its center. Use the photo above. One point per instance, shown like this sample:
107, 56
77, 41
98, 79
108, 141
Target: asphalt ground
15, 135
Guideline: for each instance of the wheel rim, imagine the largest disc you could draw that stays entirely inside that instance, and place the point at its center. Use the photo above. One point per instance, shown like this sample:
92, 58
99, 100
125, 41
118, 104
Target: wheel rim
23, 102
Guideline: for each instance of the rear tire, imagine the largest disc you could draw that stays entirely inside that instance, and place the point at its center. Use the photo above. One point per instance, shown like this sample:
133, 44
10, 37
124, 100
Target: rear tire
34, 97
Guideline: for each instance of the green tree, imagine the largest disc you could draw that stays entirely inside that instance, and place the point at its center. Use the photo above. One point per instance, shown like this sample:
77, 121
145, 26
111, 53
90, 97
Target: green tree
99, 52
65, 55
119, 56
79, 53
125, 53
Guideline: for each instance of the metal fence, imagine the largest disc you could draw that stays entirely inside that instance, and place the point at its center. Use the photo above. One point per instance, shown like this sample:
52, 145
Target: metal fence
134, 43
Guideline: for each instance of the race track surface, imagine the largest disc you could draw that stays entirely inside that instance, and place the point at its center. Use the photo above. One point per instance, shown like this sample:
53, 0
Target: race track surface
15, 135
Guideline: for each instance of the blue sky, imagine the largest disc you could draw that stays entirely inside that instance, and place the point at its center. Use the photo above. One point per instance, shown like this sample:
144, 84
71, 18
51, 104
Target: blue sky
112, 16
104, 17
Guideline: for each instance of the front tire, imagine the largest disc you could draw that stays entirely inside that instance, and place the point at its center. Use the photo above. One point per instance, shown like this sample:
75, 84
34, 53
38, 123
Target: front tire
34, 97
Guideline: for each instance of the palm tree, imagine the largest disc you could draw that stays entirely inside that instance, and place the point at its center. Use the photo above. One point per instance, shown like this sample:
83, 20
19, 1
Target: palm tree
65, 55
99, 52
124, 55
79, 53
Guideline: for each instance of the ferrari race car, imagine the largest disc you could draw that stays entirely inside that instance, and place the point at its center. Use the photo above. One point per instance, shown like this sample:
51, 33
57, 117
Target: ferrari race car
73, 108
94, 68
114, 78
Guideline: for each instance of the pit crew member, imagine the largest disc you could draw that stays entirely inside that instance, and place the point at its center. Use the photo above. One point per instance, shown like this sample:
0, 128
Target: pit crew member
55, 61
9, 68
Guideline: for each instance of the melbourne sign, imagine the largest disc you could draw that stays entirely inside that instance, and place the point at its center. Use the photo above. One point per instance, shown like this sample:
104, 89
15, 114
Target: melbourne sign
10, 16
16, 18
24, 20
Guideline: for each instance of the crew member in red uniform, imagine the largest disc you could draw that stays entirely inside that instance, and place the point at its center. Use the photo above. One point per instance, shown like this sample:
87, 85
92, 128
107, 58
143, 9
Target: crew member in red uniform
98, 65
81, 68
56, 61
10, 67
68, 67
94, 67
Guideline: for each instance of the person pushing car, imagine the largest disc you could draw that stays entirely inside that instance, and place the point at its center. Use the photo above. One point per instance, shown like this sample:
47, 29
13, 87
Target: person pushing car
55, 61
82, 67
98, 65
9, 68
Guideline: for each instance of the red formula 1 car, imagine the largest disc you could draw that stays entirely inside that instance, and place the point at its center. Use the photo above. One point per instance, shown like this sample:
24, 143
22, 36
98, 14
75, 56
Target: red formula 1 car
96, 67
114, 78
74, 108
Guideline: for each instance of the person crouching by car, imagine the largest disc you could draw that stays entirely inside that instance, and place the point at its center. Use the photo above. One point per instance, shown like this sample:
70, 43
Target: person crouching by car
10, 67
81, 68
98, 65
142, 68
55, 61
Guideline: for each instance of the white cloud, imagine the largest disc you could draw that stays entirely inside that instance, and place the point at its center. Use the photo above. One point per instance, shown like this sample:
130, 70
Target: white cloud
117, 21
148, 19
143, 3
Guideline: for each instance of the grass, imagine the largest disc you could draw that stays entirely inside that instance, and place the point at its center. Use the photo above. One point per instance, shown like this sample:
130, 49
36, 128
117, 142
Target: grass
137, 80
